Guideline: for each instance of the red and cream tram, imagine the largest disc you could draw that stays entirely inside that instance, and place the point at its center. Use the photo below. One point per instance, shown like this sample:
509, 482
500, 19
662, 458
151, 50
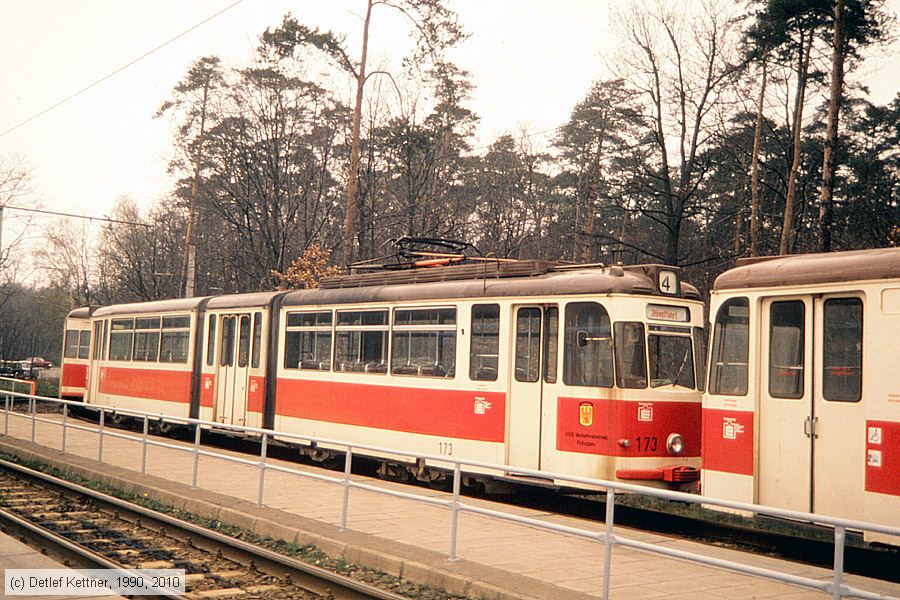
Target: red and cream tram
587, 371
76, 354
802, 410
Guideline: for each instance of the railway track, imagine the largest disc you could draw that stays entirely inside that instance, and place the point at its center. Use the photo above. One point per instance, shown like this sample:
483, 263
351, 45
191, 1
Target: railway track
87, 529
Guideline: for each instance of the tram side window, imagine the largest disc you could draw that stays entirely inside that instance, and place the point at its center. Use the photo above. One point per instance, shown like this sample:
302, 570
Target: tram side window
211, 341
175, 339
786, 349
588, 350
484, 349
424, 342
631, 356
98, 335
84, 344
731, 335
528, 344
244, 342
551, 343
71, 343
257, 340
146, 339
120, 339
361, 341
842, 351
700, 356
671, 359
307, 341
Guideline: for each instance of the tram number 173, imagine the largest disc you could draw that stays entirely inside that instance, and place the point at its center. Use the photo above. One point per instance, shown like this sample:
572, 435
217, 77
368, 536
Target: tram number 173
446, 448
646, 444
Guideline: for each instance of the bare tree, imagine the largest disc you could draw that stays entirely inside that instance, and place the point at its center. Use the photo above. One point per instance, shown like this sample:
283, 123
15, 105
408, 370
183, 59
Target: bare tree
680, 64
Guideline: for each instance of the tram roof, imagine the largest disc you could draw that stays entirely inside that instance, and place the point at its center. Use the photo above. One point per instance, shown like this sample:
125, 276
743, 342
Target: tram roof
808, 269
183, 304
638, 279
83, 312
249, 300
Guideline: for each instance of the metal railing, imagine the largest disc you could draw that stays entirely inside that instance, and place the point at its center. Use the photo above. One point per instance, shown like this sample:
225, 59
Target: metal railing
608, 535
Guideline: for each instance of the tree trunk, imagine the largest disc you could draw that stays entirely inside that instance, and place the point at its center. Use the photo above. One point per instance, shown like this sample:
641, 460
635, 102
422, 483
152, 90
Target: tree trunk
352, 210
829, 160
787, 228
754, 163
189, 265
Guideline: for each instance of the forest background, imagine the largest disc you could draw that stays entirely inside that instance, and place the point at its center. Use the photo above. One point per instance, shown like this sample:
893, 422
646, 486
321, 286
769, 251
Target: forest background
728, 130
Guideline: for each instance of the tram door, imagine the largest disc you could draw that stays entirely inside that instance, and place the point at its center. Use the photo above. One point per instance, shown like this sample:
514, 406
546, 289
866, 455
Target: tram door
233, 369
812, 424
526, 384
785, 404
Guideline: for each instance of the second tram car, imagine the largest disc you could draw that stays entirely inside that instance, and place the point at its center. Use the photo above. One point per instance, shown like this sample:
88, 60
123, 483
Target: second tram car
589, 371
802, 409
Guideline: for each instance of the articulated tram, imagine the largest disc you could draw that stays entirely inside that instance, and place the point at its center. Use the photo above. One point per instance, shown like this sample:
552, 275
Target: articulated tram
584, 370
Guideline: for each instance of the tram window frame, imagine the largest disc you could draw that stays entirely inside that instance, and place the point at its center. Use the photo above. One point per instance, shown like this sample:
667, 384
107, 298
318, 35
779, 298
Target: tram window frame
484, 342
71, 344
724, 332
256, 351
174, 341
628, 344
787, 344
362, 335
97, 352
587, 347
840, 348
211, 340
550, 349
308, 340
699, 335
423, 342
244, 339
657, 367
229, 333
527, 355
84, 344
120, 331
146, 339
104, 346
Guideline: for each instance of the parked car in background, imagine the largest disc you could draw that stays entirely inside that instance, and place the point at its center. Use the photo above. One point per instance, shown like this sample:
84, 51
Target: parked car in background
38, 362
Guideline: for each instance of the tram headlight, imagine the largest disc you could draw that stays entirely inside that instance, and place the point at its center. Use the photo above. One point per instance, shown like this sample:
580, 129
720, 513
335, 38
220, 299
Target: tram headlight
675, 443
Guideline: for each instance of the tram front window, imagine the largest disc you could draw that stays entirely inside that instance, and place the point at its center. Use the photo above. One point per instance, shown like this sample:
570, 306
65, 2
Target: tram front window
671, 361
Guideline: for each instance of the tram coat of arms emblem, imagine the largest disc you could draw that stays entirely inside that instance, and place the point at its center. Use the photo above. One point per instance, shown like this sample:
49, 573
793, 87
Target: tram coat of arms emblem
586, 414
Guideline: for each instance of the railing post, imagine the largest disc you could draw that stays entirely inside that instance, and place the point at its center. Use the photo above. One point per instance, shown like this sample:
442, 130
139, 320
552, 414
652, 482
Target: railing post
100, 445
196, 456
33, 405
65, 428
607, 550
839, 535
263, 451
454, 515
144, 445
6, 422
348, 466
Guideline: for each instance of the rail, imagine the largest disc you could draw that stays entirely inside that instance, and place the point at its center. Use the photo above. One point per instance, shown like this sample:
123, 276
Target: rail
608, 535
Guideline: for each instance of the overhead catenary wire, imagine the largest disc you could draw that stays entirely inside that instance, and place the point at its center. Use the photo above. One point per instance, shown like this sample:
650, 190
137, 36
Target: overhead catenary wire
103, 219
119, 70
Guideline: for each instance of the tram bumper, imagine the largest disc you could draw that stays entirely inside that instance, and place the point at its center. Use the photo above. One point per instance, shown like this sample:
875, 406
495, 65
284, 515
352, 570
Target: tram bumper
675, 474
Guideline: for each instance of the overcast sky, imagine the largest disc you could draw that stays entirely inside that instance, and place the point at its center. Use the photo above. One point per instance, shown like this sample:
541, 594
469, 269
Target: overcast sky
531, 61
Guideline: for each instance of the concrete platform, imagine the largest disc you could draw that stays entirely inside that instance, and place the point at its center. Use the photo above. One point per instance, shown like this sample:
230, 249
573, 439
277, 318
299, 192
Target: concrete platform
16, 555
497, 560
